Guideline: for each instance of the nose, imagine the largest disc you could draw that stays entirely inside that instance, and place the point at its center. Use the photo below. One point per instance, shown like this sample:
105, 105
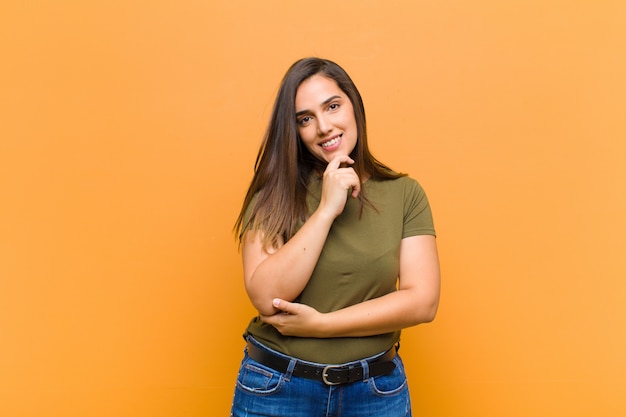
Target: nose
323, 125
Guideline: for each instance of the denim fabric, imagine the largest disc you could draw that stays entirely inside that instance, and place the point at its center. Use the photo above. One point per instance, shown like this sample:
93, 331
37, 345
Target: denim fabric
263, 392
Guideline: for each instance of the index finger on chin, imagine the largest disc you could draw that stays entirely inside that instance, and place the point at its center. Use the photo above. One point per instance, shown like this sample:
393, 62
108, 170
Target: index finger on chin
337, 161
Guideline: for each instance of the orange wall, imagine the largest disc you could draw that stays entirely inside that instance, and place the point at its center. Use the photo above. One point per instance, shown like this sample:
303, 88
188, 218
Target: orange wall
128, 132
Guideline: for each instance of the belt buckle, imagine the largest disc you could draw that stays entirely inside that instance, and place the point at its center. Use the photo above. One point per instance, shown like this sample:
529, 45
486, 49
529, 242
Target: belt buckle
325, 374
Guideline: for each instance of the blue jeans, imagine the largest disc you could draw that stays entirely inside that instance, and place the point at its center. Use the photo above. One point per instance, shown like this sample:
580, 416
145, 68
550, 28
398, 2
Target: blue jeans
264, 392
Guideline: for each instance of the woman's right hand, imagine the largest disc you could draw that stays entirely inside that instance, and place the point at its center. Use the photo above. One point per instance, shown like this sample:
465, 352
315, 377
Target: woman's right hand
339, 180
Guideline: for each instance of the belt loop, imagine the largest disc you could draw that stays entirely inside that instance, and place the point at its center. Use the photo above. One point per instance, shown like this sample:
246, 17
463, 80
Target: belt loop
366, 370
289, 372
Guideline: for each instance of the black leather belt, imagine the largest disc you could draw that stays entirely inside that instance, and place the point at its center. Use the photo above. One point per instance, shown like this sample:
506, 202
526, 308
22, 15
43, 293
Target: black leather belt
331, 374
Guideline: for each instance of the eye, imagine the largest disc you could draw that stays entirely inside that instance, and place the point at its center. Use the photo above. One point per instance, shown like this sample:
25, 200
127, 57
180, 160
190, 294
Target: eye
304, 120
333, 106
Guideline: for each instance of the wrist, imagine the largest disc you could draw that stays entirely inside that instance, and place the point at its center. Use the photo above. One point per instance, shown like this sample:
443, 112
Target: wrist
324, 326
324, 216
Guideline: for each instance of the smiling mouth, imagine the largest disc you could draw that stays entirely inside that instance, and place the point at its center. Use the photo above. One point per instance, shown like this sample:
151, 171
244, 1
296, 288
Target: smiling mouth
332, 142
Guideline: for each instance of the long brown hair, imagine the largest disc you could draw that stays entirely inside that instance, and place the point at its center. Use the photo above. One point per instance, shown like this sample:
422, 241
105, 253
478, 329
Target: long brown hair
283, 165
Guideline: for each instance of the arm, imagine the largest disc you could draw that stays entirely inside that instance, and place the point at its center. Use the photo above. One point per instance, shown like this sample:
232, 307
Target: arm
283, 272
415, 301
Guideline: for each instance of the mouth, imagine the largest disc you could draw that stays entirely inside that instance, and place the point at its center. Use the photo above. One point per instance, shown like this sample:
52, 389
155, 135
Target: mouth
331, 143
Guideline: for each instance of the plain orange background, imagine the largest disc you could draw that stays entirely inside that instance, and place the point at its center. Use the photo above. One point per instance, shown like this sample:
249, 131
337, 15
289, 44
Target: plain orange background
128, 131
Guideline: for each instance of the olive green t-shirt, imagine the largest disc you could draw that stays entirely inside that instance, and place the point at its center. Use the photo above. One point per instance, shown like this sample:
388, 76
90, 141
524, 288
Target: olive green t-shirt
359, 262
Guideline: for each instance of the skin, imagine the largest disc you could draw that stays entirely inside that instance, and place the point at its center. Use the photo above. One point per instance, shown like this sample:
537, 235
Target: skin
325, 115
275, 277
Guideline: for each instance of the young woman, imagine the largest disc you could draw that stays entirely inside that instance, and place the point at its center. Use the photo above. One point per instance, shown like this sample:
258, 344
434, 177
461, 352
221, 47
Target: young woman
339, 255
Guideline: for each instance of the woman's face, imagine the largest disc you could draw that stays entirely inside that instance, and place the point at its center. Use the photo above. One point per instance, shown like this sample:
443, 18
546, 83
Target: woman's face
325, 118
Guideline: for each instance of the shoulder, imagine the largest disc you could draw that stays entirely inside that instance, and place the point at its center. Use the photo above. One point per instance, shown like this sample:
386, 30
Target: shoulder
407, 191
404, 184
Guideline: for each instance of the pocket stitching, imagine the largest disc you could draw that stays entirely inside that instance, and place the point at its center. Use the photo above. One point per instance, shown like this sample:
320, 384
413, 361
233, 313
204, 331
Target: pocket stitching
399, 368
263, 390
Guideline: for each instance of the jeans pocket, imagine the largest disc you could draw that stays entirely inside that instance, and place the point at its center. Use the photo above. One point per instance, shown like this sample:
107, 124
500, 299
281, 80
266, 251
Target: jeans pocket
258, 379
390, 384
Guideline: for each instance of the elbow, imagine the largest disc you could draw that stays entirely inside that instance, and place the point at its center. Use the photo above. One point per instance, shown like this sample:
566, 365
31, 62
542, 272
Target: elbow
262, 304
264, 310
259, 296
431, 312
430, 306
427, 314
262, 297
420, 309
262, 300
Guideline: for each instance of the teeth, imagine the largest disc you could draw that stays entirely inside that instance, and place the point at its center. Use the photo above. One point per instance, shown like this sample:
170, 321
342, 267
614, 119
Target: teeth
330, 142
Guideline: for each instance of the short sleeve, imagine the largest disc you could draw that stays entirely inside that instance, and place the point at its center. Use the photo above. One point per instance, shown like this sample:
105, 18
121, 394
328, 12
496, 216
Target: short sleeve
418, 218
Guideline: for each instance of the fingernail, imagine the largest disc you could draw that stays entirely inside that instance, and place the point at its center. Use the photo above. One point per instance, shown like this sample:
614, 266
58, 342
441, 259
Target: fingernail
276, 302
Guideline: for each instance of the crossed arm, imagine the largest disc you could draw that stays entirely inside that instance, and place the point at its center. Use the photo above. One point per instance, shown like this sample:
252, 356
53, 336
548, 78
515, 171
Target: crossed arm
415, 301
275, 277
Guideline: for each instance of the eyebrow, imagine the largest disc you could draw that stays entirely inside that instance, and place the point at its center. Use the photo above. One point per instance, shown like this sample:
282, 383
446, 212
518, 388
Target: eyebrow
328, 100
